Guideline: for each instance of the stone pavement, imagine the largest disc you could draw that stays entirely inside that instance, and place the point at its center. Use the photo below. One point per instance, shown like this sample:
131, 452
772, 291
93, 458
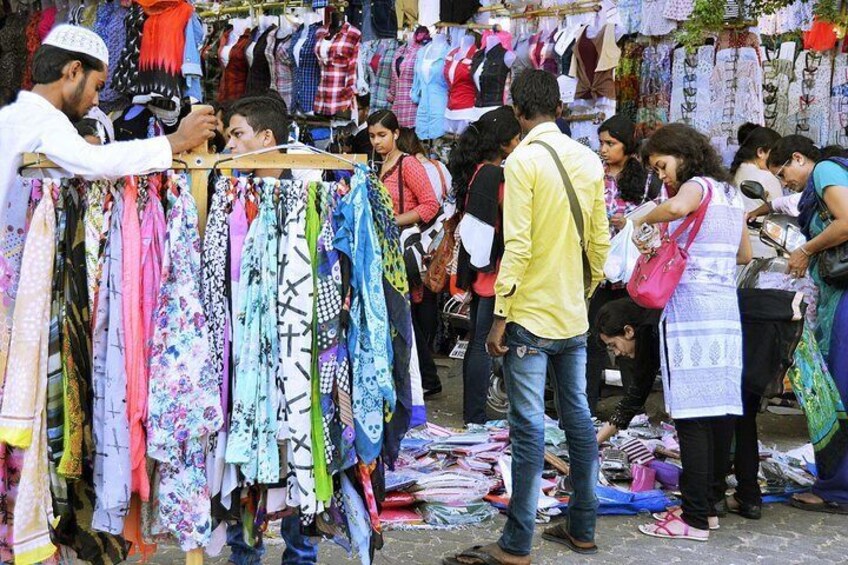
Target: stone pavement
784, 535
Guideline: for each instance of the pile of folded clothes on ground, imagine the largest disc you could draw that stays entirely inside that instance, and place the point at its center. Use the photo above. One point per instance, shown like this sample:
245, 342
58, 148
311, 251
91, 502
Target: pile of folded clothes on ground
447, 478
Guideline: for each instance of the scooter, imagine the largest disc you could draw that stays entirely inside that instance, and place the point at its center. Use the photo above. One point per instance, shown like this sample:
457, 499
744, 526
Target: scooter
778, 231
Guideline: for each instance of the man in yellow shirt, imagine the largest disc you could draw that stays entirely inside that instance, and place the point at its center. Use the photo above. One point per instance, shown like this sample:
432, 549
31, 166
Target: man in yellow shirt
555, 232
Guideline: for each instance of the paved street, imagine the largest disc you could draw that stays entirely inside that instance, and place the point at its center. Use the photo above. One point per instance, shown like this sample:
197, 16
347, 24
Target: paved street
784, 535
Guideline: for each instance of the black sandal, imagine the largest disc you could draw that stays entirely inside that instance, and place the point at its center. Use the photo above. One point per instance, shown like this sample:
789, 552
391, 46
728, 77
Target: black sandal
480, 558
823, 506
559, 534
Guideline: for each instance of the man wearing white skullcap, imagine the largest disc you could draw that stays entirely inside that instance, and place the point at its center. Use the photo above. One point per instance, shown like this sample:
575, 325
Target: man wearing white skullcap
69, 70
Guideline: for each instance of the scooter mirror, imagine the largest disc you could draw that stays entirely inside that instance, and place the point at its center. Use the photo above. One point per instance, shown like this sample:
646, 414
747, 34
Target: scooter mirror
753, 190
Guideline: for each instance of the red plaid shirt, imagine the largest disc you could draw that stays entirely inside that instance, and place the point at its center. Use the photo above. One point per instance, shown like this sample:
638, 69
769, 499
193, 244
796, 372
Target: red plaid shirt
338, 69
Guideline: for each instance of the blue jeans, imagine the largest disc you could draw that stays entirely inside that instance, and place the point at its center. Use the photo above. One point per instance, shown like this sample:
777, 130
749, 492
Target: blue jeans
525, 369
300, 550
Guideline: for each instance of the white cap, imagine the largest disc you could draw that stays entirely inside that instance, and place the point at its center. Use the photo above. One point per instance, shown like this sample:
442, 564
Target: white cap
79, 40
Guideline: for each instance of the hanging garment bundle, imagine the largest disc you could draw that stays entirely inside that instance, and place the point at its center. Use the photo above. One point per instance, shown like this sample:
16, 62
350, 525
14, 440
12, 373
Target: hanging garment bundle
161, 384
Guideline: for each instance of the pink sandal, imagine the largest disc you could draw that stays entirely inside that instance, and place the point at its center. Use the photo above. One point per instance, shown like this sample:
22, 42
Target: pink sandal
678, 511
673, 527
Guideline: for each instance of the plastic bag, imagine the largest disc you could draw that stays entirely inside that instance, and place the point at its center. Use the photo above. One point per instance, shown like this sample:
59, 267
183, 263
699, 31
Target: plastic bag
622, 255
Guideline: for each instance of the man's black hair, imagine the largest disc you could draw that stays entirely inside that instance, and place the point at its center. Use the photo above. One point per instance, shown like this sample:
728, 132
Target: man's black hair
267, 111
535, 93
49, 61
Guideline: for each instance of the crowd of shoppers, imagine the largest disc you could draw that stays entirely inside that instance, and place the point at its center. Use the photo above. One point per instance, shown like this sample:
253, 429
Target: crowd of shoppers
695, 342
536, 213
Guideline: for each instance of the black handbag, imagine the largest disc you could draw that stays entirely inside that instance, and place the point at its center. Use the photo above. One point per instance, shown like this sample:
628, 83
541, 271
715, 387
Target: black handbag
833, 262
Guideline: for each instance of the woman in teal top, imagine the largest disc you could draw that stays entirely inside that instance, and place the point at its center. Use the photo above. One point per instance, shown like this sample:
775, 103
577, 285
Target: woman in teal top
796, 162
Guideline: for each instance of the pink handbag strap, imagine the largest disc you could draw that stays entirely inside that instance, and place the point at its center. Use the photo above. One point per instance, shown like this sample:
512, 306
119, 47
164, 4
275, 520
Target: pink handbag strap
697, 217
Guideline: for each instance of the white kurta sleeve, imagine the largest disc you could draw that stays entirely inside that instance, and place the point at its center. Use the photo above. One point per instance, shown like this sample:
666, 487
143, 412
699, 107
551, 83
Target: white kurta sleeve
66, 148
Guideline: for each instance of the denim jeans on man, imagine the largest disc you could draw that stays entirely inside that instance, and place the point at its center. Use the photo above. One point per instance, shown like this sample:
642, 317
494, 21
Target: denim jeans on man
525, 367
300, 550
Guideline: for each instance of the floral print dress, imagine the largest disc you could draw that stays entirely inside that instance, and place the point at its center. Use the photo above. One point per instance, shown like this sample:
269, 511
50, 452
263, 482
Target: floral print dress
184, 405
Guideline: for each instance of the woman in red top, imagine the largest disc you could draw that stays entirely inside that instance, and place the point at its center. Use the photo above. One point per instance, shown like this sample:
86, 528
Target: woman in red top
475, 164
414, 202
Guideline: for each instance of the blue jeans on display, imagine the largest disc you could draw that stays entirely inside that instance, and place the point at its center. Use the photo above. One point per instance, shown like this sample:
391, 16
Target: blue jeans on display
300, 550
525, 368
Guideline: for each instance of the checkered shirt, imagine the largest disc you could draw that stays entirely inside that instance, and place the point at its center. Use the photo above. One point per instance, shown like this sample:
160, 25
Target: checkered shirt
380, 80
338, 69
306, 75
401, 88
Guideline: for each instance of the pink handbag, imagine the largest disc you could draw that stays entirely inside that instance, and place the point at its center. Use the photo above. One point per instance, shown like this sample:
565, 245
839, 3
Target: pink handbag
656, 276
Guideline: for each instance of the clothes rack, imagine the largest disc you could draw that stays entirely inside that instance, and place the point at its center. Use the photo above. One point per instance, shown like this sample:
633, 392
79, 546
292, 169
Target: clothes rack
577, 8
213, 10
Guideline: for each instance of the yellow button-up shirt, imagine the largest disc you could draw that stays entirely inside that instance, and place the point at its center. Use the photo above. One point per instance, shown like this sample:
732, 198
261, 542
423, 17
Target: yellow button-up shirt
540, 282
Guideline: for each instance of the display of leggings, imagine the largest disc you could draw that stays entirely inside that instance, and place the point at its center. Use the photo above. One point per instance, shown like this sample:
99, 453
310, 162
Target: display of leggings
597, 356
746, 457
702, 443
425, 318
477, 365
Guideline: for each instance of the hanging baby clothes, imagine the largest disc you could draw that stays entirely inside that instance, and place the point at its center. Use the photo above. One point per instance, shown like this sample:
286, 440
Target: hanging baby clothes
112, 470
490, 71
252, 442
368, 337
307, 72
184, 405
337, 57
294, 298
594, 62
653, 21
690, 87
22, 417
403, 75
430, 91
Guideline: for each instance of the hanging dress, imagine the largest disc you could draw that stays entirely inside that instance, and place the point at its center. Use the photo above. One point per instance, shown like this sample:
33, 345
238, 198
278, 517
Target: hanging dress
184, 404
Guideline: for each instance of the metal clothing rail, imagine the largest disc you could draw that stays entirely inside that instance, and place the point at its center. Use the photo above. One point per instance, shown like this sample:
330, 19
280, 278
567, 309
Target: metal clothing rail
213, 10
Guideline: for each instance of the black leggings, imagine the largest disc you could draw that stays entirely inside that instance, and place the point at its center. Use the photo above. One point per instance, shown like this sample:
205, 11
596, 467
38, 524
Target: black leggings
704, 448
425, 318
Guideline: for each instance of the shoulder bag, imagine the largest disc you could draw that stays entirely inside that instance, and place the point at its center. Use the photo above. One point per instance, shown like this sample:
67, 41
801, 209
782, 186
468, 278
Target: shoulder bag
656, 276
576, 212
832, 262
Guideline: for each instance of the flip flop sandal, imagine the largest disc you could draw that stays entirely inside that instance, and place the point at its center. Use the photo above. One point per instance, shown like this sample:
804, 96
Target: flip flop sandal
678, 511
824, 506
558, 534
662, 530
478, 557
